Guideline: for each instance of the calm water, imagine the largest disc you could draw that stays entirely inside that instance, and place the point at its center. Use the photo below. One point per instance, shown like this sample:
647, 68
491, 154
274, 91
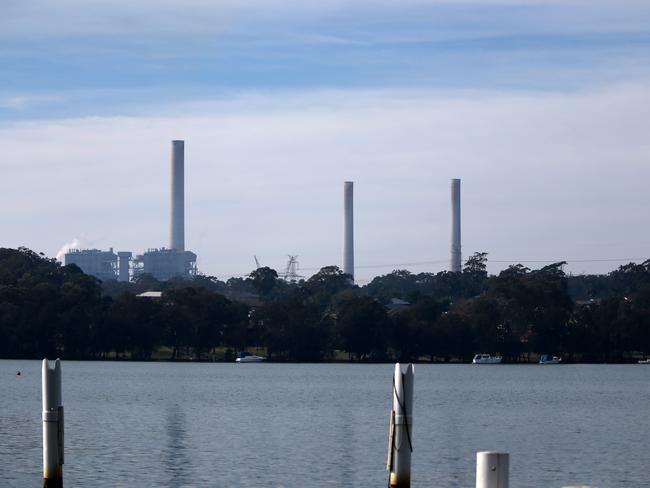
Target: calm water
310, 426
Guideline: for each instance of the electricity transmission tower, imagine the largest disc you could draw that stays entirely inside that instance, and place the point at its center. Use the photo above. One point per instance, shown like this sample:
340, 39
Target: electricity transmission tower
291, 271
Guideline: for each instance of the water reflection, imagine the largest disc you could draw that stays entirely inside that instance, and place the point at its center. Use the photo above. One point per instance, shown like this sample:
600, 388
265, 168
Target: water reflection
346, 433
175, 458
318, 426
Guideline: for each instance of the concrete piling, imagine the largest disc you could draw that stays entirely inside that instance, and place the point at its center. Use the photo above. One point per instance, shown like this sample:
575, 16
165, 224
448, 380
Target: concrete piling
52, 425
492, 469
400, 438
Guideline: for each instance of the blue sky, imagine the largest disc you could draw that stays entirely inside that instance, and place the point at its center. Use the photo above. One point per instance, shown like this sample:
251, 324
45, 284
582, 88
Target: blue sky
537, 106
76, 58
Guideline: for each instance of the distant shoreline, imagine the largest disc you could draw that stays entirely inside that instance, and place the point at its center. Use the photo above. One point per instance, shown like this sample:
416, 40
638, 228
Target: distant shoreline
206, 361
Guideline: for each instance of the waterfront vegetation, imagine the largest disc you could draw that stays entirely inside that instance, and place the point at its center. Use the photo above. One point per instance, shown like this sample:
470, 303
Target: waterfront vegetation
58, 311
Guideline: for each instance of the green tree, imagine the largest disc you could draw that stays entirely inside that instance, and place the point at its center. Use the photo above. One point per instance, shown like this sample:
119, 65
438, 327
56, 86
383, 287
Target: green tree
263, 280
362, 326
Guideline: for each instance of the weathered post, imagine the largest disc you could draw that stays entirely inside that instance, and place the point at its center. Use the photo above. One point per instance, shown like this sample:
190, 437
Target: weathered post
52, 425
492, 469
400, 437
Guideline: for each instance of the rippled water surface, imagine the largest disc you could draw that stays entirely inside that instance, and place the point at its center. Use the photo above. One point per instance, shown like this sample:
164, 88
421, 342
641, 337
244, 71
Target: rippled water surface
310, 426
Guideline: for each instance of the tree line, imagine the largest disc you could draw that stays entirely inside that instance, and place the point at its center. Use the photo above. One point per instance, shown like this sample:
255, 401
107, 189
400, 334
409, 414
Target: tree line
49, 310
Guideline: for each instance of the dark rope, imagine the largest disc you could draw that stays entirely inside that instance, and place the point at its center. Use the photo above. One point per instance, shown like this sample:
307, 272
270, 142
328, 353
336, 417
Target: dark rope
403, 407
392, 441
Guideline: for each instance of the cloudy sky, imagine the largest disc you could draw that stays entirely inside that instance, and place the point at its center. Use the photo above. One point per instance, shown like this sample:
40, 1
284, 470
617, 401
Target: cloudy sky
542, 108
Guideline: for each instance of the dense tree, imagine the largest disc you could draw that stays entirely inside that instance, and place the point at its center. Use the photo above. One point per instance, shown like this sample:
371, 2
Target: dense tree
51, 310
45, 309
401, 284
328, 281
263, 280
417, 330
362, 326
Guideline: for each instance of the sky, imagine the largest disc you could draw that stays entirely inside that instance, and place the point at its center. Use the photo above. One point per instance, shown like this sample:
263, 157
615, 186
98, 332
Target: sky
542, 108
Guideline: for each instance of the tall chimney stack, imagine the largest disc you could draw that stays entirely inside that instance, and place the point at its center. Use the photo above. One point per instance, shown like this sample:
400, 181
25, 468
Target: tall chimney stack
348, 228
455, 265
177, 229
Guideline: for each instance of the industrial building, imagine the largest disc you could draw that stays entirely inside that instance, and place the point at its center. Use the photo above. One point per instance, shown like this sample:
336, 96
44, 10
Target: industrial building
100, 264
124, 258
175, 261
162, 263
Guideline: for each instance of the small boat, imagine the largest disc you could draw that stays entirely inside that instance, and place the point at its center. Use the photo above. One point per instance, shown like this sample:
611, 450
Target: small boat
486, 359
548, 359
245, 357
644, 361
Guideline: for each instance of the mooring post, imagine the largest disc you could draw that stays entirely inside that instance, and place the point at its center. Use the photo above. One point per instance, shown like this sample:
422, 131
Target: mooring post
492, 469
400, 437
52, 425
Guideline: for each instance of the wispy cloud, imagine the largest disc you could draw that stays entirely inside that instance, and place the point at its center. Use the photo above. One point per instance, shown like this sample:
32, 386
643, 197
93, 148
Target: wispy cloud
23, 102
112, 56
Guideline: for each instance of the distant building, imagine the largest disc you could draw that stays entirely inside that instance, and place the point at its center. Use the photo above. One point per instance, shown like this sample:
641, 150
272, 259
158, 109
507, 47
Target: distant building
164, 264
100, 264
175, 262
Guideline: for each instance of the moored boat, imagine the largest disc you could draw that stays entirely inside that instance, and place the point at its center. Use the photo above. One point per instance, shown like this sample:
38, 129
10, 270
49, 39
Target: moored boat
644, 361
548, 359
486, 359
245, 357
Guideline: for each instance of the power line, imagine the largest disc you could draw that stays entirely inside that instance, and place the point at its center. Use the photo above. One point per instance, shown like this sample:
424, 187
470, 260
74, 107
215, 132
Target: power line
500, 261
609, 260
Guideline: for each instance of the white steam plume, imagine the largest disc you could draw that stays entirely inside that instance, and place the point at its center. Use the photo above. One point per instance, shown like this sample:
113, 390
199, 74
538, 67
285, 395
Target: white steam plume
74, 244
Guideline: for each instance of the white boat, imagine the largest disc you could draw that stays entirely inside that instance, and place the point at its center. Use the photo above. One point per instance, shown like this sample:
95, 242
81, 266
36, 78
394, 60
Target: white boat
486, 359
548, 359
244, 357
644, 361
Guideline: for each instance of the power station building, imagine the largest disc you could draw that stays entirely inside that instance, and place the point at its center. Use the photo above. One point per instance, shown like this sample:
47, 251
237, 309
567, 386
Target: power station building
162, 263
165, 264
175, 261
101, 264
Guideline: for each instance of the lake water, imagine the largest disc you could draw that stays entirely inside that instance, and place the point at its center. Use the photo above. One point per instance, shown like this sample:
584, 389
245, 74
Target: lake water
310, 426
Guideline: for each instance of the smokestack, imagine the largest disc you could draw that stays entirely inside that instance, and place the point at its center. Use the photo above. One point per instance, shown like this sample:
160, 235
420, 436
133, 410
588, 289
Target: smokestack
455, 265
348, 228
177, 229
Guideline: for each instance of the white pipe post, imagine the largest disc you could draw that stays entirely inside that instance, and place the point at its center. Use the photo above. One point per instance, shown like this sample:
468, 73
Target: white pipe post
492, 469
52, 425
400, 438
